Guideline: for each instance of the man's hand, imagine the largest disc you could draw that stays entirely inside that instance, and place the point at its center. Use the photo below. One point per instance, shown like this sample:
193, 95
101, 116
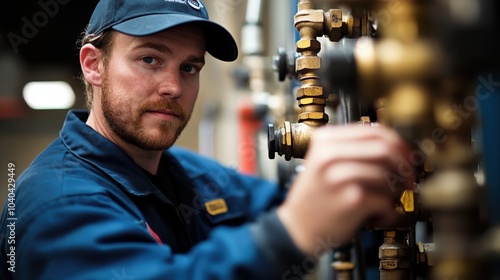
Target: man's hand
344, 184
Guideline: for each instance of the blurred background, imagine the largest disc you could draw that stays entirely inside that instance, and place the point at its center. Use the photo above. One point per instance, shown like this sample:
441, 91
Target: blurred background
429, 69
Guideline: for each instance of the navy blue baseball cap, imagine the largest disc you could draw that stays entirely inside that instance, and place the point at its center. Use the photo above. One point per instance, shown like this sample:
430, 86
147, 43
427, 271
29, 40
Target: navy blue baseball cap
146, 17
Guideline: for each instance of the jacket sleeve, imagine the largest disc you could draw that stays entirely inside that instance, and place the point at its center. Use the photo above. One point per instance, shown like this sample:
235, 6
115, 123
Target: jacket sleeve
92, 237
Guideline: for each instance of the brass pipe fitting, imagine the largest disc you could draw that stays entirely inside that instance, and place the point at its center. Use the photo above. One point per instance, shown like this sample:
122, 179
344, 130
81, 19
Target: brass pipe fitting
310, 96
334, 27
292, 140
343, 270
311, 23
425, 254
453, 193
405, 65
395, 256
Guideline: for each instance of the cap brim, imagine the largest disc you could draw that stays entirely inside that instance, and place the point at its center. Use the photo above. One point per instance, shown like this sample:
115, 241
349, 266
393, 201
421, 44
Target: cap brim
219, 42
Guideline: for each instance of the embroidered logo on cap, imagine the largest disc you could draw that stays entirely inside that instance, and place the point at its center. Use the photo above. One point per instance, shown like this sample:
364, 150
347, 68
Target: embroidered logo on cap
195, 4
216, 207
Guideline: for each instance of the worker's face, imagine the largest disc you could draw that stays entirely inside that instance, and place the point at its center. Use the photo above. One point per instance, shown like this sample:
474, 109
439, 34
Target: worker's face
151, 84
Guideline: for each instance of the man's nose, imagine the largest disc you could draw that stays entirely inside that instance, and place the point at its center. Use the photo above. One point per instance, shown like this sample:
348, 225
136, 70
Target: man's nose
170, 84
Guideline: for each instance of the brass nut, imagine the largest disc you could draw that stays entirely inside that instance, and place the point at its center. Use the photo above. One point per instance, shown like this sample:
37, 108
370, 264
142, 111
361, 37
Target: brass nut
408, 201
282, 140
342, 266
457, 187
394, 264
288, 141
308, 45
308, 63
426, 253
394, 252
354, 26
389, 252
288, 134
390, 233
311, 101
365, 120
309, 91
333, 25
310, 18
313, 116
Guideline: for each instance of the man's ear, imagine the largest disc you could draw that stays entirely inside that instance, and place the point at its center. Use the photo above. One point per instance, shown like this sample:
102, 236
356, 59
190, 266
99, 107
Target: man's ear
90, 61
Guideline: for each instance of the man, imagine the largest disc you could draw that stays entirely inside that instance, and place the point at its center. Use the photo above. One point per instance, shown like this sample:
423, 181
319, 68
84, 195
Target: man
112, 199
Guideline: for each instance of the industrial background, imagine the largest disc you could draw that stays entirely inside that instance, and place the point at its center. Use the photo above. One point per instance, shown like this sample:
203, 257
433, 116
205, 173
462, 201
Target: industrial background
429, 69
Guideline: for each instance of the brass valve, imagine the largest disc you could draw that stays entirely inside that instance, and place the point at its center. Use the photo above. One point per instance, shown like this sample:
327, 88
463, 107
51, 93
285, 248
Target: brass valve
395, 256
291, 140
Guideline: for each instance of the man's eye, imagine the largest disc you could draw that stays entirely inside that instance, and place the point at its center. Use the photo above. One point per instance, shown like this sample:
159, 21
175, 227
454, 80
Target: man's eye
189, 69
149, 60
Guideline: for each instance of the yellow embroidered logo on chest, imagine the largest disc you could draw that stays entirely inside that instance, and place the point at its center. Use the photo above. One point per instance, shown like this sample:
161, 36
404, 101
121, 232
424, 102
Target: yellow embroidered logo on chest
216, 207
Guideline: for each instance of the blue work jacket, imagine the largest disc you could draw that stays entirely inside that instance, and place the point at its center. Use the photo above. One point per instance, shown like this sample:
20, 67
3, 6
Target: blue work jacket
85, 210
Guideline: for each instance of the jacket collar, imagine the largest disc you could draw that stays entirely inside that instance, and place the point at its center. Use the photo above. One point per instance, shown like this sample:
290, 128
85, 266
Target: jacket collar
90, 146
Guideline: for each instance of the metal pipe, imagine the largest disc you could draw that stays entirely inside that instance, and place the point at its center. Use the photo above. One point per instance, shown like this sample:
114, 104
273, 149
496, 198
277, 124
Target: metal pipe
252, 33
254, 12
292, 140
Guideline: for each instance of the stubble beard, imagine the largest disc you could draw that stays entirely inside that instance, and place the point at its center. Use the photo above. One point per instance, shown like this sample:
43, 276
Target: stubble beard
126, 124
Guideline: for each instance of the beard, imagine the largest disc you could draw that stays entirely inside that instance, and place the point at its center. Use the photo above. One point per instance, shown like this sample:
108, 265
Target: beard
126, 122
